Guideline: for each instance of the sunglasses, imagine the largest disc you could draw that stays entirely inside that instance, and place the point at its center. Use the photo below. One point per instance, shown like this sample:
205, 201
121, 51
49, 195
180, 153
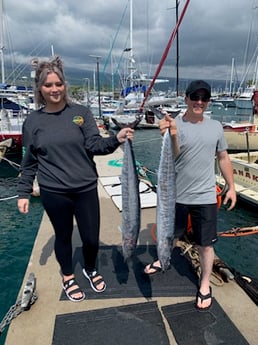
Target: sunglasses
199, 97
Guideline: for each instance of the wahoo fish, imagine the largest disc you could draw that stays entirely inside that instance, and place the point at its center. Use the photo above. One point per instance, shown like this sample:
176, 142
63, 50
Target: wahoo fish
166, 200
131, 208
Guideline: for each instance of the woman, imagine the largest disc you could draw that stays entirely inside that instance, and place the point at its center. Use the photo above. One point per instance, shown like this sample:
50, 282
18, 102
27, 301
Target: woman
61, 139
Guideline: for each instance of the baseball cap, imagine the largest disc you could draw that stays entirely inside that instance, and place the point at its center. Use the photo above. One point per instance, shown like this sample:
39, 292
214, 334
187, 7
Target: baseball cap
197, 85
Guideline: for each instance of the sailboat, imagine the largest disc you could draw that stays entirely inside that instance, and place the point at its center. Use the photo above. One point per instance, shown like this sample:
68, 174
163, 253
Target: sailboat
139, 94
134, 93
14, 103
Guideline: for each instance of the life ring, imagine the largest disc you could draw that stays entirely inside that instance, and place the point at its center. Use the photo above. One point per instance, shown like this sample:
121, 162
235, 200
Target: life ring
189, 223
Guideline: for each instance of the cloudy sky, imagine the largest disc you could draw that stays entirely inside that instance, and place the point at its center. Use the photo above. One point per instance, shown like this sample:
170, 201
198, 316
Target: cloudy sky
212, 33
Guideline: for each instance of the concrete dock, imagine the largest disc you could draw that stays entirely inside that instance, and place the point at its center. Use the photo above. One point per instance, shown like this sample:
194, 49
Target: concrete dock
37, 325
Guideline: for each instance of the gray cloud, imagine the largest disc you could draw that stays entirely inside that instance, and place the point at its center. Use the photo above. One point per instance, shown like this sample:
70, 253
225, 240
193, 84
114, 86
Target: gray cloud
211, 34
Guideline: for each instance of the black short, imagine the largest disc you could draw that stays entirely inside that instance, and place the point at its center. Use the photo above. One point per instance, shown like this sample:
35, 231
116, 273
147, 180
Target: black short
203, 221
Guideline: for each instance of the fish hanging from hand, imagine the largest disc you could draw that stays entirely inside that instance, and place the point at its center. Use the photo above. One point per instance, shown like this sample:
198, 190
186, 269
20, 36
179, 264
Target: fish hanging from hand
131, 207
166, 200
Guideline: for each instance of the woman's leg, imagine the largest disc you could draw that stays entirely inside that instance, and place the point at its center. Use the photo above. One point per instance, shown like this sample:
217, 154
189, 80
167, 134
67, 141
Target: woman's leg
60, 210
87, 215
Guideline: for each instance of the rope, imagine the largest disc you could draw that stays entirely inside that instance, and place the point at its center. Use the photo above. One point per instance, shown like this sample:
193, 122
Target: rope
113, 43
13, 164
9, 198
192, 255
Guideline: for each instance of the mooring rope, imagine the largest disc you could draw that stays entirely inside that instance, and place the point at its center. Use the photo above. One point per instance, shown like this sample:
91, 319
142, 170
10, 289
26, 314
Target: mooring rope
9, 198
13, 164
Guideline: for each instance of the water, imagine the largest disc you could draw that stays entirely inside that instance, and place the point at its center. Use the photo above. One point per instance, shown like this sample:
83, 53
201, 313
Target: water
17, 235
18, 232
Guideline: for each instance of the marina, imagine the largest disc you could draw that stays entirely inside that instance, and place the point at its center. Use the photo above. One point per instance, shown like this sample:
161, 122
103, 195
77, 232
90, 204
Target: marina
135, 308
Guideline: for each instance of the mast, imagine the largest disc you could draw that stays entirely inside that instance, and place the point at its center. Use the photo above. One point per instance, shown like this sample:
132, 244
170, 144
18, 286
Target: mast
177, 48
231, 77
2, 42
177, 52
52, 50
131, 43
165, 53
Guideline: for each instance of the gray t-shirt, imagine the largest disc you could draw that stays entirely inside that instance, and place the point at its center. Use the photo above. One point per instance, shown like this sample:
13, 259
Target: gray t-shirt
195, 165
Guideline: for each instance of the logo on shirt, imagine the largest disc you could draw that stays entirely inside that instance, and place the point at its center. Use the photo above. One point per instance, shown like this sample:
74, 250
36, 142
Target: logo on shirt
78, 120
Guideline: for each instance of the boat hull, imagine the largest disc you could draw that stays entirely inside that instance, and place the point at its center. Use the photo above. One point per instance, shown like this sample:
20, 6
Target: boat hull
239, 141
245, 176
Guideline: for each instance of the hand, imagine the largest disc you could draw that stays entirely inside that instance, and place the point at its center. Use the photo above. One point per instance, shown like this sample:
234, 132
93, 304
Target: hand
167, 122
230, 196
125, 133
23, 205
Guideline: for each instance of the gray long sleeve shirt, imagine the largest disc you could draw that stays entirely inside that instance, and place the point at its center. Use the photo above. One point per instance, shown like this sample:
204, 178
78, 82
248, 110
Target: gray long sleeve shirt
60, 148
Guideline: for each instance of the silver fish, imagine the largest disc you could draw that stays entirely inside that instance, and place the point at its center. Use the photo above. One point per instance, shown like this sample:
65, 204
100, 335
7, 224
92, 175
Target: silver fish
131, 208
166, 199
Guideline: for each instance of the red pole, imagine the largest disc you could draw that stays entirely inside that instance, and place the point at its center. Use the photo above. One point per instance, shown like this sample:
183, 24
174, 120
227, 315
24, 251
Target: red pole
165, 54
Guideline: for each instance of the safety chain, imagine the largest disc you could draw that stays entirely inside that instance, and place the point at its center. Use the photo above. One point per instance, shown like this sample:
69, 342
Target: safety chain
28, 298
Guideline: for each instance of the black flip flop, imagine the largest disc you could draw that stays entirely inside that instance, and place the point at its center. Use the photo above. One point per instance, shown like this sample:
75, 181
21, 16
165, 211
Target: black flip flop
153, 267
203, 298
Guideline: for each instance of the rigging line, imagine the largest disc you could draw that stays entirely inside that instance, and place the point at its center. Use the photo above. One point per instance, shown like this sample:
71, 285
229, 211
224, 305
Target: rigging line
119, 63
248, 68
18, 70
13, 164
113, 42
165, 53
9, 198
248, 42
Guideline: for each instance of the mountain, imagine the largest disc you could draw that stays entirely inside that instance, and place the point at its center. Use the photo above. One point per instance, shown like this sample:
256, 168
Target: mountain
76, 77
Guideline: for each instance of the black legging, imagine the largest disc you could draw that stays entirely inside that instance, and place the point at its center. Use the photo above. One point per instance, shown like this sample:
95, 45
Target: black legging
61, 208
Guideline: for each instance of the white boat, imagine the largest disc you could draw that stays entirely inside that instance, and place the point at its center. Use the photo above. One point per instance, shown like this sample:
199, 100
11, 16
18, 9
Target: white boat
245, 169
15, 104
237, 141
242, 136
247, 94
141, 121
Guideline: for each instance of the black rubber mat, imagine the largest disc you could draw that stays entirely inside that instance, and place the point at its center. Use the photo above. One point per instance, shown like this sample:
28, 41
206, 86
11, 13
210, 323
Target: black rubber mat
125, 280
135, 324
191, 326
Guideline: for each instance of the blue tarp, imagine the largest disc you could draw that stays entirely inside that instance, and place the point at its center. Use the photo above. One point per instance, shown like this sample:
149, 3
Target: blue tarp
134, 88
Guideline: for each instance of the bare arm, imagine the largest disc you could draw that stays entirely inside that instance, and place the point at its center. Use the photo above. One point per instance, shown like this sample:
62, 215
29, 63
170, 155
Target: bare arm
227, 172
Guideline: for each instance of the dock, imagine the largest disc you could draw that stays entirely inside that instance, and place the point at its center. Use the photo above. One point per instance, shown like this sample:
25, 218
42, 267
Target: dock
135, 308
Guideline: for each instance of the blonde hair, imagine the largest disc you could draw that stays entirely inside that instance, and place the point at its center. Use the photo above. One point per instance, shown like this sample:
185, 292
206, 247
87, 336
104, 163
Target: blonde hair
42, 69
